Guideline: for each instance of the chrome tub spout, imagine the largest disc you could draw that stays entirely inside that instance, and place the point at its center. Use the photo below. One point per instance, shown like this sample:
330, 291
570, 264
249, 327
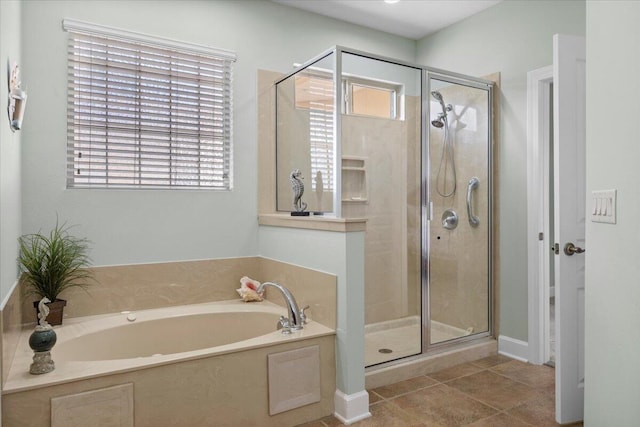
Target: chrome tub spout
295, 320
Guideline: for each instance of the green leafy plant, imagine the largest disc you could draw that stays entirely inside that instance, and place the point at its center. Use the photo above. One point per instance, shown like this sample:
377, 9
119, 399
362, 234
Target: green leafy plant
54, 262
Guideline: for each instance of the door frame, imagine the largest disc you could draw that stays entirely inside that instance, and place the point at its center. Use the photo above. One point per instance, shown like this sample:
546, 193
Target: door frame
539, 104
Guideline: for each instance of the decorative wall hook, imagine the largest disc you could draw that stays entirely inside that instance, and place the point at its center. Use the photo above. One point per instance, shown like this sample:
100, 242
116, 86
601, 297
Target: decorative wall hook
17, 97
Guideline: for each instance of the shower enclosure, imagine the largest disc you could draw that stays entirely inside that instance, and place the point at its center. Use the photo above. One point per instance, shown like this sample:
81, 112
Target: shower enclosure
409, 149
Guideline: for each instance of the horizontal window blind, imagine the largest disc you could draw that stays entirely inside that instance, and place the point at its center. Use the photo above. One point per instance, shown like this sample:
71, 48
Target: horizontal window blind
146, 115
315, 93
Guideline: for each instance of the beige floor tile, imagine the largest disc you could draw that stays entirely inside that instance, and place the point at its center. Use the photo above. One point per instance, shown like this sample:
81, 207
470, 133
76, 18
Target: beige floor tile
316, 423
374, 397
443, 405
490, 361
540, 376
332, 421
539, 412
454, 372
387, 415
473, 396
383, 414
407, 386
494, 390
500, 420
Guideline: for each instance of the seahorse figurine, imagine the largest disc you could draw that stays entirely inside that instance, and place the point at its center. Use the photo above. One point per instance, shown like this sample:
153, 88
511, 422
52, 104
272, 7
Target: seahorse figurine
43, 312
298, 190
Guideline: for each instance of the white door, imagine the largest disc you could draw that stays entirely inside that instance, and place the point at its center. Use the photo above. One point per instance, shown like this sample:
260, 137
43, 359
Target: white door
569, 64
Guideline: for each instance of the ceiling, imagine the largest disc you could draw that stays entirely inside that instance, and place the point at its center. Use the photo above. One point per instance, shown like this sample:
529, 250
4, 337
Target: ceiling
413, 19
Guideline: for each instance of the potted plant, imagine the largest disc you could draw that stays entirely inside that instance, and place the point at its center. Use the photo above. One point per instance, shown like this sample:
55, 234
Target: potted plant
52, 263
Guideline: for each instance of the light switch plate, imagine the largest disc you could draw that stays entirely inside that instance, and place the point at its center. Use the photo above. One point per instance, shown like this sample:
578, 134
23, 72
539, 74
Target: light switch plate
603, 206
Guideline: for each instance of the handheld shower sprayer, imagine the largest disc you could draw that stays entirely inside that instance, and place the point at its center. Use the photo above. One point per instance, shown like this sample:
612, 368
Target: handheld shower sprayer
442, 117
438, 97
447, 165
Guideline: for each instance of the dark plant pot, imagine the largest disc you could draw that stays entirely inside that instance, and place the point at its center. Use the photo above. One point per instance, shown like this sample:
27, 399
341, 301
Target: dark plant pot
55, 311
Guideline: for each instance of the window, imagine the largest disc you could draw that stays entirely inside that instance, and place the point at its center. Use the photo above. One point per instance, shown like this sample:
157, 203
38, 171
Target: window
314, 92
363, 97
146, 112
372, 98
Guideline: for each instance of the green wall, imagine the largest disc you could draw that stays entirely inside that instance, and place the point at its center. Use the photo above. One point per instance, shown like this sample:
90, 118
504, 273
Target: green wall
612, 291
155, 225
10, 146
512, 38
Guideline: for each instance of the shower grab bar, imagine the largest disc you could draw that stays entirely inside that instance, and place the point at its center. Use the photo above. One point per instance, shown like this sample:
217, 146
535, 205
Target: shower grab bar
473, 184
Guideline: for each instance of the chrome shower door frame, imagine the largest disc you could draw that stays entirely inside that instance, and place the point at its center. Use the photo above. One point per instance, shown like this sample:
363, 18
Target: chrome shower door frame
427, 73
427, 204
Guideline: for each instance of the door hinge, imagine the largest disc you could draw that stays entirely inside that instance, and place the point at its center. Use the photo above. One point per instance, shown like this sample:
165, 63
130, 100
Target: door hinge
541, 236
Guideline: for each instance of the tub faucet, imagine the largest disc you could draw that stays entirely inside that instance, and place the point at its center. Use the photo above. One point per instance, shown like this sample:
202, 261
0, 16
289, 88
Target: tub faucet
296, 318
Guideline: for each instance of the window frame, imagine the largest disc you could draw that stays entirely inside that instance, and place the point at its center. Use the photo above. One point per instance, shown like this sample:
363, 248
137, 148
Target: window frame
396, 91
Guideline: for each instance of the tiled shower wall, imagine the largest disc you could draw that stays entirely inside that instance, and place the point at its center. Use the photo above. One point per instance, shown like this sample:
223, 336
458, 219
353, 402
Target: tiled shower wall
391, 149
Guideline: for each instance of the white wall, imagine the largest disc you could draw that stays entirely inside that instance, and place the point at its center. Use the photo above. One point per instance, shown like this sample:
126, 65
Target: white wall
10, 146
148, 226
612, 371
512, 38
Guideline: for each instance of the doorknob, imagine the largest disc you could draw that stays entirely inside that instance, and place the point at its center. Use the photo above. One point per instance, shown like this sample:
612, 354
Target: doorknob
570, 249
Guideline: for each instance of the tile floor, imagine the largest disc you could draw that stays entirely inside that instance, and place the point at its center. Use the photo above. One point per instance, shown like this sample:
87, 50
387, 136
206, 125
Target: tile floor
492, 392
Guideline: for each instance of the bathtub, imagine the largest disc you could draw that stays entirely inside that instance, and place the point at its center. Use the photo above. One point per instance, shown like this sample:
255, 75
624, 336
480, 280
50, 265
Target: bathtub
150, 346
225, 326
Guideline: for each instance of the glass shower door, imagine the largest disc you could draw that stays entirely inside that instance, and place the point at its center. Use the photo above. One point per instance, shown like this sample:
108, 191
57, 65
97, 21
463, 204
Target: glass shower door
459, 231
381, 173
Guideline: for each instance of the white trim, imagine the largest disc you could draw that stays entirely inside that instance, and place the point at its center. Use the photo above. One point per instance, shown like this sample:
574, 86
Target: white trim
73, 25
538, 84
351, 408
13, 289
513, 348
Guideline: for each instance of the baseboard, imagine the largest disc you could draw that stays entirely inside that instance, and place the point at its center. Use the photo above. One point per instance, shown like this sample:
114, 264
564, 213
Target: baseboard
511, 347
350, 408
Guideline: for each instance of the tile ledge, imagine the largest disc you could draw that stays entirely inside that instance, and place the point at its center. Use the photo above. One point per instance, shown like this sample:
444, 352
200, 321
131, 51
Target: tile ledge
323, 223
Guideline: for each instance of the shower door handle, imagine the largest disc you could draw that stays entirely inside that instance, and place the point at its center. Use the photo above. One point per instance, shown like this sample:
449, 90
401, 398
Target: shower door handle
473, 184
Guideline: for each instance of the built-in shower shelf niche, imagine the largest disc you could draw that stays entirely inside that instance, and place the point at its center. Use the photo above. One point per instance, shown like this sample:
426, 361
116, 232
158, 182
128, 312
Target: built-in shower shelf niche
354, 179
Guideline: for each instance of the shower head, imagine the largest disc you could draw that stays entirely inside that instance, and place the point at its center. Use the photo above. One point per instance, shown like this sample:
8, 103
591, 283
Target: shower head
437, 123
440, 121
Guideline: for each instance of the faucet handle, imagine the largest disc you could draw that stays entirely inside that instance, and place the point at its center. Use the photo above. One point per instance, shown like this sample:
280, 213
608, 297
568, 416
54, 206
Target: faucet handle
283, 324
303, 316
